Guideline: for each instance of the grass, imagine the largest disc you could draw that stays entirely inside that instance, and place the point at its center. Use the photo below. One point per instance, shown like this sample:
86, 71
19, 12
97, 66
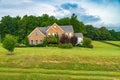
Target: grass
100, 63
115, 42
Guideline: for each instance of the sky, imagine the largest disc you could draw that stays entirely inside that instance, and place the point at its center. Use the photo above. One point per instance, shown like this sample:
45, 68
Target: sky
96, 12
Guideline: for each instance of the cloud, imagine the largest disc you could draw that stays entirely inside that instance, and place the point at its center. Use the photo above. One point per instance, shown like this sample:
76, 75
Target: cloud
79, 11
69, 6
95, 12
89, 18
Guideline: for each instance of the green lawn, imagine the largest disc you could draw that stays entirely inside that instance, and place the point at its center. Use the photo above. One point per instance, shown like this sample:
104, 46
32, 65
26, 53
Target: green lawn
115, 42
51, 63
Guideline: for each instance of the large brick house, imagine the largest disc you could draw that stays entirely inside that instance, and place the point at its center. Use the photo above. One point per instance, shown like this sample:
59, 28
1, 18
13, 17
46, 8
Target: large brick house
39, 33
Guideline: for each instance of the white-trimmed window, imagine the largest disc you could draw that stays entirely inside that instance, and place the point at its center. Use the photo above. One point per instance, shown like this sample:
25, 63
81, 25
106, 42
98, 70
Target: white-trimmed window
36, 42
36, 33
41, 41
31, 41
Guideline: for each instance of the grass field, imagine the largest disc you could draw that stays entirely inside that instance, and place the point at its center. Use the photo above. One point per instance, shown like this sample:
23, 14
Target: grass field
100, 63
115, 42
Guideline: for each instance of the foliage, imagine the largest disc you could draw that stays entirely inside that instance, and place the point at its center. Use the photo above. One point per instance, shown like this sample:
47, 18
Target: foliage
51, 39
104, 34
64, 21
52, 45
65, 46
9, 43
87, 42
64, 39
21, 27
73, 40
77, 25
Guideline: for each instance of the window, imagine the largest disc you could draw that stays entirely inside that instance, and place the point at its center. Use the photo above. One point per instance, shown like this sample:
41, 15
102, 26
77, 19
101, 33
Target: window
41, 41
36, 42
36, 33
54, 26
31, 42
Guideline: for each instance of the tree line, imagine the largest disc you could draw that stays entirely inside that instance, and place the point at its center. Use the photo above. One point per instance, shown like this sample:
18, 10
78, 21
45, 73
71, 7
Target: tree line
22, 26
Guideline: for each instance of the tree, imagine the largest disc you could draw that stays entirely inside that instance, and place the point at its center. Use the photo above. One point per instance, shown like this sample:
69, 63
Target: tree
51, 39
73, 40
9, 25
92, 32
104, 34
64, 39
87, 42
77, 25
64, 21
9, 43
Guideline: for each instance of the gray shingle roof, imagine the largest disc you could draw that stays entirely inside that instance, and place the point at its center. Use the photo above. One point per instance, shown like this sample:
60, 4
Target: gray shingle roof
64, 28
78, 34
68, 28
43, 29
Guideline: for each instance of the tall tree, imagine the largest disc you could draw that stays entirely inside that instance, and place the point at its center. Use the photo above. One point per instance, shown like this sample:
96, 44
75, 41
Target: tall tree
104, 33
64, 21
77, 25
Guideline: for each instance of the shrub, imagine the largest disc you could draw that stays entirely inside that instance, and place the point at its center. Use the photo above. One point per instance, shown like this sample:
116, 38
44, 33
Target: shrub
65, 46
64, 39
79, 45
20, 45
25, 41
73, 40
51, 39
87, 42
52, 45
9, 43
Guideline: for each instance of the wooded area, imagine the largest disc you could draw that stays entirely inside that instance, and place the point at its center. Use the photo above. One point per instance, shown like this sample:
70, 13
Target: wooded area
22, 26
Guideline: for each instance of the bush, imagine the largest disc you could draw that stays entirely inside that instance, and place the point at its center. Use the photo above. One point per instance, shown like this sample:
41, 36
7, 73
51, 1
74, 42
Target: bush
52, 45
65, 46
51, 39
64, 39
39, 45
20, 45
87, 42
9, 43
79, 45
73, 40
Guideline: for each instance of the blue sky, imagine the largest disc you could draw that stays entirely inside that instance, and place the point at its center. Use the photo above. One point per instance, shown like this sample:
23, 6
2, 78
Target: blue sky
95, 12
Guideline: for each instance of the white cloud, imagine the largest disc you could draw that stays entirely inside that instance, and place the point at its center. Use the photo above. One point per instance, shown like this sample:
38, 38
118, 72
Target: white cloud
109, 14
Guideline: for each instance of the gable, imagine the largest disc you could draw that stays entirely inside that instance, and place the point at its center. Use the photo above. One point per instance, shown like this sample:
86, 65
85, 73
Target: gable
56, 28
34, 36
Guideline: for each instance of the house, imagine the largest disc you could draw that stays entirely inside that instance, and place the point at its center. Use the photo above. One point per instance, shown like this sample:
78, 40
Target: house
39, 33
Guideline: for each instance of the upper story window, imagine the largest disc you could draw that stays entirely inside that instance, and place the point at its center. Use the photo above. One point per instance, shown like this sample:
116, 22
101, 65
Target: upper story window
54, 26
36, 33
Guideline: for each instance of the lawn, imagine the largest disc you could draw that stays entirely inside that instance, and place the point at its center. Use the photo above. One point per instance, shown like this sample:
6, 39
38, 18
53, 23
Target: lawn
52, 63
115, 42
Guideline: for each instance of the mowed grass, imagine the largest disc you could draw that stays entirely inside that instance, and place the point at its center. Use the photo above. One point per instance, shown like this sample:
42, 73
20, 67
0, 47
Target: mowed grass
115, 42
52, 63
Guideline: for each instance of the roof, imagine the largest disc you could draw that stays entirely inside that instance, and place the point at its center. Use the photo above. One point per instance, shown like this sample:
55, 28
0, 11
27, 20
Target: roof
43, 29
68, 28
78, 34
